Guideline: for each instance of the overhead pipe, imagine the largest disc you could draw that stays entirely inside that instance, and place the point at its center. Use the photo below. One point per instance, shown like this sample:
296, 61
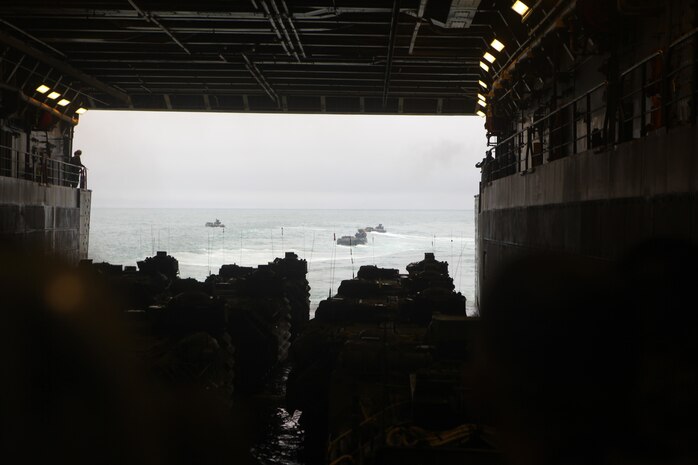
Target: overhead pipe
273, 26
289, 18
280, 20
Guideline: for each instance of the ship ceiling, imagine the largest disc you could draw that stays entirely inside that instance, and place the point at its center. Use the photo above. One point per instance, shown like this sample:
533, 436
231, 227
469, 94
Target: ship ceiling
388, 57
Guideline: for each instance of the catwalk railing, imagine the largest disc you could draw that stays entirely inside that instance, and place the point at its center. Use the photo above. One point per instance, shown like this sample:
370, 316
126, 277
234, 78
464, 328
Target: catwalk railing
39, 168
657, 92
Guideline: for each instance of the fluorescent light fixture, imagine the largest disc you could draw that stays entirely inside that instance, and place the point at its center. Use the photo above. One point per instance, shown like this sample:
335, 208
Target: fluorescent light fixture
63, 102
484, 66
42, 89
80, 110
520, 7
497, 45
54, 95
483, 84
489, 57
481, 97
480, 113
482, 103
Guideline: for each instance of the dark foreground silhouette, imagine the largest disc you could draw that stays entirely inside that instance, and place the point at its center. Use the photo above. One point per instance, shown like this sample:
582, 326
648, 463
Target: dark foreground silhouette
595, 366
576, 365
73, 391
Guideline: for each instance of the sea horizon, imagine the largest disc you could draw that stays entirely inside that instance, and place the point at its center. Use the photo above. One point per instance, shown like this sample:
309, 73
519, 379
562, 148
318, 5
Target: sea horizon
282, 208
256, 236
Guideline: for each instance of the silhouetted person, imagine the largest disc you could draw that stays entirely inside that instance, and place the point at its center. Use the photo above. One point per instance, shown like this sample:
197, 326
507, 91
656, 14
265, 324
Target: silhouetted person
76, 170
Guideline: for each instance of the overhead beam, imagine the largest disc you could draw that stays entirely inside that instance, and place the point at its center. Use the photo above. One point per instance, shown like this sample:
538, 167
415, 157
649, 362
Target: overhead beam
257, 74
35, 39
391, 47
63, 67
291, 48
153, 19
418, 24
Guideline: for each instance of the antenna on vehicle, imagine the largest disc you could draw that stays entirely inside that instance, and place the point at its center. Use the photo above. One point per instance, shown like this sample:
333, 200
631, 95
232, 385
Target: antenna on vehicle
373, 248
209, 254
451, 246
312, 249
460, 257
351, 255
333, 266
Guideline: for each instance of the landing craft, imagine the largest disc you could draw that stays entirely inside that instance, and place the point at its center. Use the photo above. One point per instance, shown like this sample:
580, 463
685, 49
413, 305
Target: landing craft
359, 238
215, 224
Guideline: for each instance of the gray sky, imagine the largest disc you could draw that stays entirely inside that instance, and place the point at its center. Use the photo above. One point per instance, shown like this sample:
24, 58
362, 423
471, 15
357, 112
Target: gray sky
158, 159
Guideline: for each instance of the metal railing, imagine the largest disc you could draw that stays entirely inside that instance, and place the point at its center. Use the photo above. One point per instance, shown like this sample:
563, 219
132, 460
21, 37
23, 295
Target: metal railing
37, 167
657, 92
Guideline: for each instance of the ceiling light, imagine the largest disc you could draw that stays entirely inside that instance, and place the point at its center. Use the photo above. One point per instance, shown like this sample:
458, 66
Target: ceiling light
482, 103
484, 66
483, 84
489, 57
80, 110
520, 7
54, 95
481, 97
42, 89
480, 113
497, 45
63, 102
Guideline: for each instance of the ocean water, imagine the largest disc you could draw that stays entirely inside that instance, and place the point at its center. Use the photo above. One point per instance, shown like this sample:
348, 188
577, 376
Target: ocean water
253, 237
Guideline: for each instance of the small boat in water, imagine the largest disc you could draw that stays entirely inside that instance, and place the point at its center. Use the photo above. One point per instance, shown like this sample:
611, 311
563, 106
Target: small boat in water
378, 229
357, 239
215, 224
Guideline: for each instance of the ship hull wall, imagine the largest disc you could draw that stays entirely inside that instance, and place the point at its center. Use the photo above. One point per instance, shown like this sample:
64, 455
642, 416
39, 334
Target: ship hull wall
48, 219
593, 207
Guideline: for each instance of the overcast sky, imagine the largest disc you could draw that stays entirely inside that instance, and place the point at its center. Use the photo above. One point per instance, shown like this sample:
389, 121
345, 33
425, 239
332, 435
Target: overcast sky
157, 159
